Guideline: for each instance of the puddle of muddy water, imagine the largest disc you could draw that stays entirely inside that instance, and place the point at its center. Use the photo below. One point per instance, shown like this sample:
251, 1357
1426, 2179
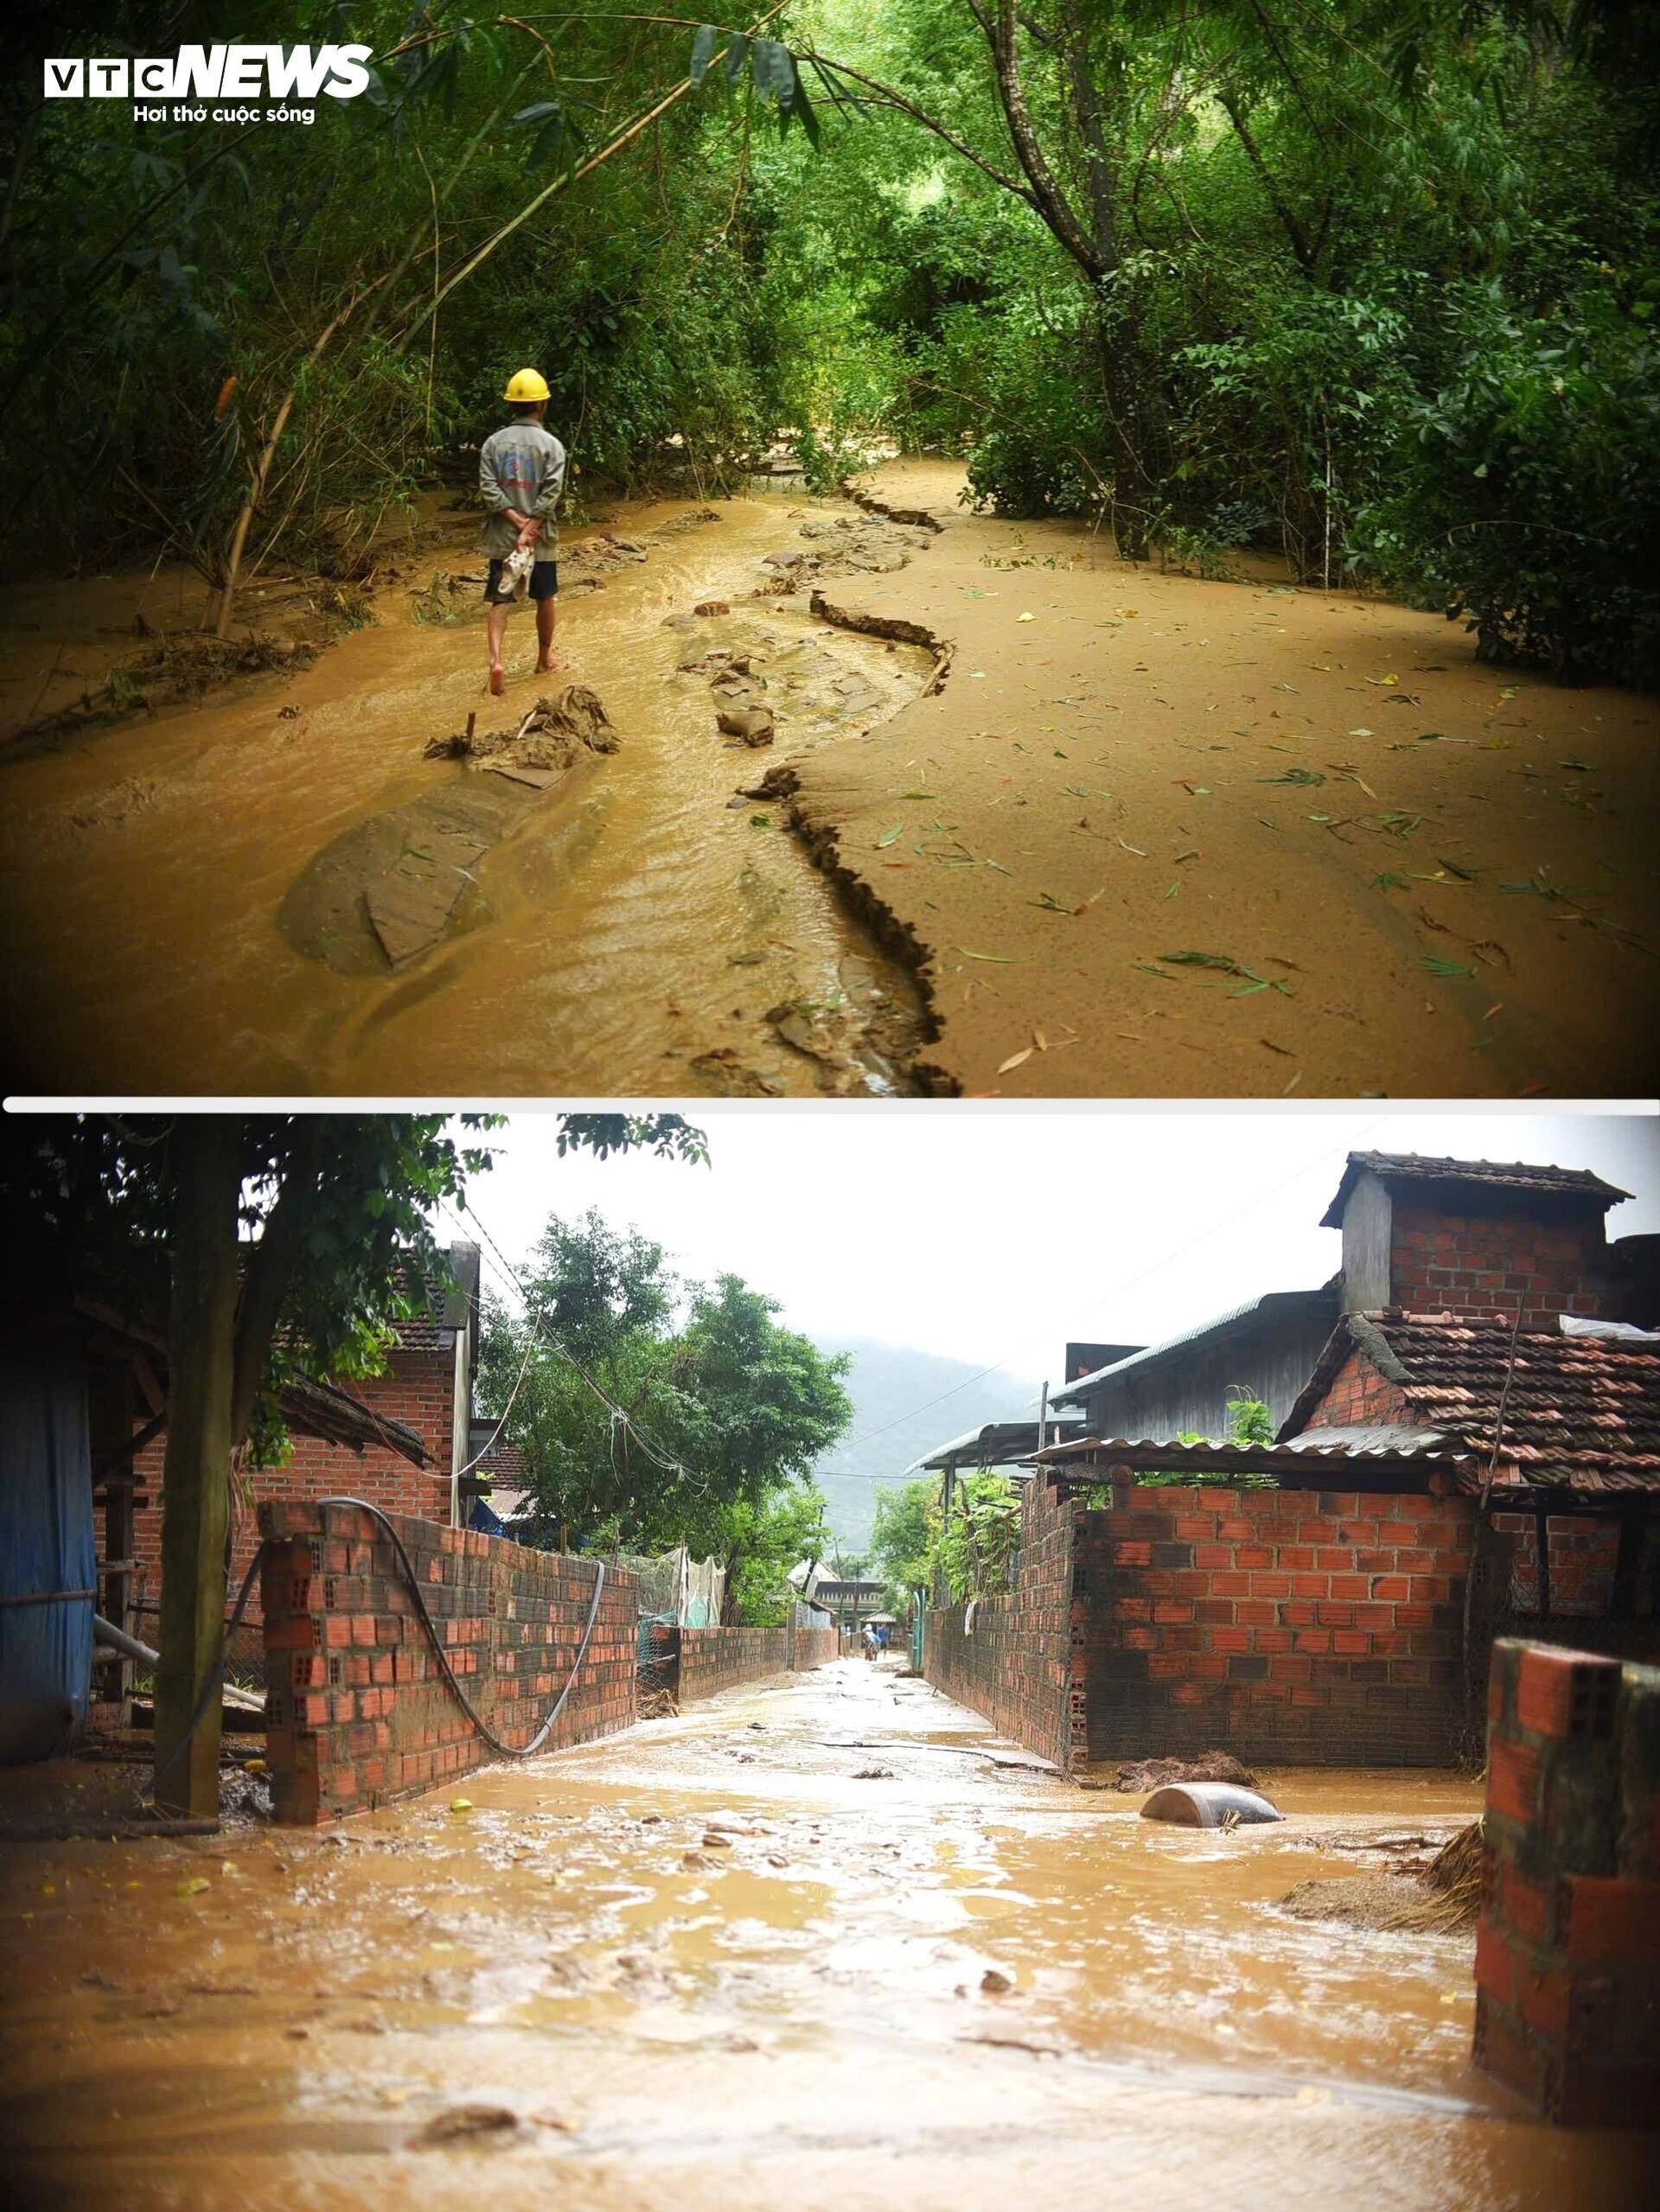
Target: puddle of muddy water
705, 1964
640, 930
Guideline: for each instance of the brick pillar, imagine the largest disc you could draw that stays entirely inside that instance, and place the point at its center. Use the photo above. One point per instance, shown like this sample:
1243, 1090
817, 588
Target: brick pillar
1568, 1947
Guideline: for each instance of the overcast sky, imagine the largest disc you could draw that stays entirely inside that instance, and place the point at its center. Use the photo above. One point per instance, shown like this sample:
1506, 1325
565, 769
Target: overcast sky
994, 1237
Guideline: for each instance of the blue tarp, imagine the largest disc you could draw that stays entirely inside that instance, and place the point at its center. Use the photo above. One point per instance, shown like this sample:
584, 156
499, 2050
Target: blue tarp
46, 1545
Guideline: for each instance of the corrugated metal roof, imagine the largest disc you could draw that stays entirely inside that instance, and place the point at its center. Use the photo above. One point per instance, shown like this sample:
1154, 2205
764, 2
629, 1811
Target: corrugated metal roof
1314, 1444
1374, 1435
1074, 1393
1015, 1437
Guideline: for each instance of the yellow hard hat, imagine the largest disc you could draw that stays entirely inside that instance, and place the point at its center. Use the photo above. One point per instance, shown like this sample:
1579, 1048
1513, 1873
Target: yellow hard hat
526, 385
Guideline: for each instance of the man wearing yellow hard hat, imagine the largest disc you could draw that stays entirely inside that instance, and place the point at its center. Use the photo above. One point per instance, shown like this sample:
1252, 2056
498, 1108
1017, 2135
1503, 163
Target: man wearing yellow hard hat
521, 476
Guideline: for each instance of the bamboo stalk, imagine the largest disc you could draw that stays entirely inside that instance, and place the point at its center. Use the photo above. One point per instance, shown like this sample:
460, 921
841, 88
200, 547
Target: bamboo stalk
262, 467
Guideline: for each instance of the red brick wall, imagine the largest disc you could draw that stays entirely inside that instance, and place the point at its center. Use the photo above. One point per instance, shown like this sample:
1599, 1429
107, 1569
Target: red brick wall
816, 1647
1483, 1263
1568, 1947
1017, 1667
417, 1389
713, 1660
1582, 1553
357, 1710
1290, 1626
1358, 1393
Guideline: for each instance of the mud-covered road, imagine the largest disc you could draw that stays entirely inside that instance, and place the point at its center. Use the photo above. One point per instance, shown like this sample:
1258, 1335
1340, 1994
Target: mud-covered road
740, 1959
189, 899
1069, 828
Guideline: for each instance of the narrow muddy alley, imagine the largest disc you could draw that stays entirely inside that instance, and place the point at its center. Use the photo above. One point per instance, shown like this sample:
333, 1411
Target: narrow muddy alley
812, 1942
196, 893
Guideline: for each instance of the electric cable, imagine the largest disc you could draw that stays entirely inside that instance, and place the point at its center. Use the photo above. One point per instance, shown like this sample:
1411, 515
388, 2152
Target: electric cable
216, 1673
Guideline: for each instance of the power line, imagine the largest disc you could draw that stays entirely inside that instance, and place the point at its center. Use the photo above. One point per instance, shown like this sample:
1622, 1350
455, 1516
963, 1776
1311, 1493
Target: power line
655, 1451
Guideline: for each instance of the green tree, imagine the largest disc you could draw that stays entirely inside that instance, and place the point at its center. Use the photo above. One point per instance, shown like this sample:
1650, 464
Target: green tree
905, 1537
719, 1411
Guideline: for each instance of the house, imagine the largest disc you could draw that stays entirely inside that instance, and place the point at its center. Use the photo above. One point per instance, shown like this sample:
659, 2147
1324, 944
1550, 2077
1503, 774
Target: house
1475, 1453
1183, 1385
417, 1416
83, 1395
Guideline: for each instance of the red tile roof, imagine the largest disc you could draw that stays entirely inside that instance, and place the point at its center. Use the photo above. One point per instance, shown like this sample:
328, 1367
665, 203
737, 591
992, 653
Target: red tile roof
1581, 1409
1492, 1175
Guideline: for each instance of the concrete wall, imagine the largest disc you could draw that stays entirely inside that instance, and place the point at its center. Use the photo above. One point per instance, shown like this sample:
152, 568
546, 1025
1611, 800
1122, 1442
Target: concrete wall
1567, 1947
1015, 1667
357, 1710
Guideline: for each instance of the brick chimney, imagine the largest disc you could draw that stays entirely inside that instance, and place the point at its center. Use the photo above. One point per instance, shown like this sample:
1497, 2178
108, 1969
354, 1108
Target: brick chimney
1474, 1237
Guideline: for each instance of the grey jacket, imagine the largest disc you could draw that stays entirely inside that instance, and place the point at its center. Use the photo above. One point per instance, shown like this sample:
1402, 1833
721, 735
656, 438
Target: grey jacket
523, 467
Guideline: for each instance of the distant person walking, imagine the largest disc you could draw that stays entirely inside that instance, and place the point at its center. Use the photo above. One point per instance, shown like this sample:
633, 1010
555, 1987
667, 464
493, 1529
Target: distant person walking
521, 476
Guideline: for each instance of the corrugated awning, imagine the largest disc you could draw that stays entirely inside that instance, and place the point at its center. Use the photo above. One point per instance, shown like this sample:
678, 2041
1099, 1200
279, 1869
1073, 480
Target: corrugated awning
998, 1444
1306, 1464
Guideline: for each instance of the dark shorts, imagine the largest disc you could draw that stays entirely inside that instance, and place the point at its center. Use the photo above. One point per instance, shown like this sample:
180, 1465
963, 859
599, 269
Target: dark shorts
544, 582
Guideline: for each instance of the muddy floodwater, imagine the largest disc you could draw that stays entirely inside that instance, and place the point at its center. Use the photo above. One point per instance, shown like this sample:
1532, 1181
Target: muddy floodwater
176, 885
739, 1959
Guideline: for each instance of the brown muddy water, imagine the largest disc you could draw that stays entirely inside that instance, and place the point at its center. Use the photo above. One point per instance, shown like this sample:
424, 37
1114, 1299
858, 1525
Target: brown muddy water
736, 1959
640, 929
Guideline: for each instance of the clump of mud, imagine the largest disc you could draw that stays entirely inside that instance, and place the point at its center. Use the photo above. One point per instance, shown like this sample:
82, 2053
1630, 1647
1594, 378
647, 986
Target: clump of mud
1159, 1774
395, 886
767, 683
549, 742
862, 544
1441, 1899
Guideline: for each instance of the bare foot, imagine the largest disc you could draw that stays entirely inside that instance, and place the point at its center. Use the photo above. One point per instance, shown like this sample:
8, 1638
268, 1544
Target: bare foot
498, 680
551, 667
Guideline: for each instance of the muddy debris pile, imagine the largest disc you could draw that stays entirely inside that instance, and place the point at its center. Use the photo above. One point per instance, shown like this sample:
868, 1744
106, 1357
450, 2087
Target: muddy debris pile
1441, 1898
765, 683
555, 736
865, 544
171, 673
1159, 1774
394, 887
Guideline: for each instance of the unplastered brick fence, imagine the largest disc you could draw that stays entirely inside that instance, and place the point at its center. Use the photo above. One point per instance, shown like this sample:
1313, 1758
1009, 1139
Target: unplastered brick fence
1013, 1659
1567, 1947
1312, 1627
713, 1660
357, 1708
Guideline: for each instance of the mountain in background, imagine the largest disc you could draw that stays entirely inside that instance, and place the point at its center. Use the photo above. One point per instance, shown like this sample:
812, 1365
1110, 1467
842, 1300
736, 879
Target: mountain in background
887, 1384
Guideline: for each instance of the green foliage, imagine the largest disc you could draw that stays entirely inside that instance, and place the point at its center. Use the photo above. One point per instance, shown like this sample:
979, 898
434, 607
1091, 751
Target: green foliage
1249, 1422
1527, 499
767, 1539
980, 1536
726, 1411
905, 1539
1371, 287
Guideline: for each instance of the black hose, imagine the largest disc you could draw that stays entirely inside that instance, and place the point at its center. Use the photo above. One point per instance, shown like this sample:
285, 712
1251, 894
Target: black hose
507, 1750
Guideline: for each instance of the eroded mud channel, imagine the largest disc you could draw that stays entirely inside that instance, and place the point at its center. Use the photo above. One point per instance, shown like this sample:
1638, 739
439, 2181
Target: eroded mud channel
328, 886
816, 1942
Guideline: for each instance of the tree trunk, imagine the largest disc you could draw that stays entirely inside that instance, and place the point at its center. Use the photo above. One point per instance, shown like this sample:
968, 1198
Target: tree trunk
195, 1481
